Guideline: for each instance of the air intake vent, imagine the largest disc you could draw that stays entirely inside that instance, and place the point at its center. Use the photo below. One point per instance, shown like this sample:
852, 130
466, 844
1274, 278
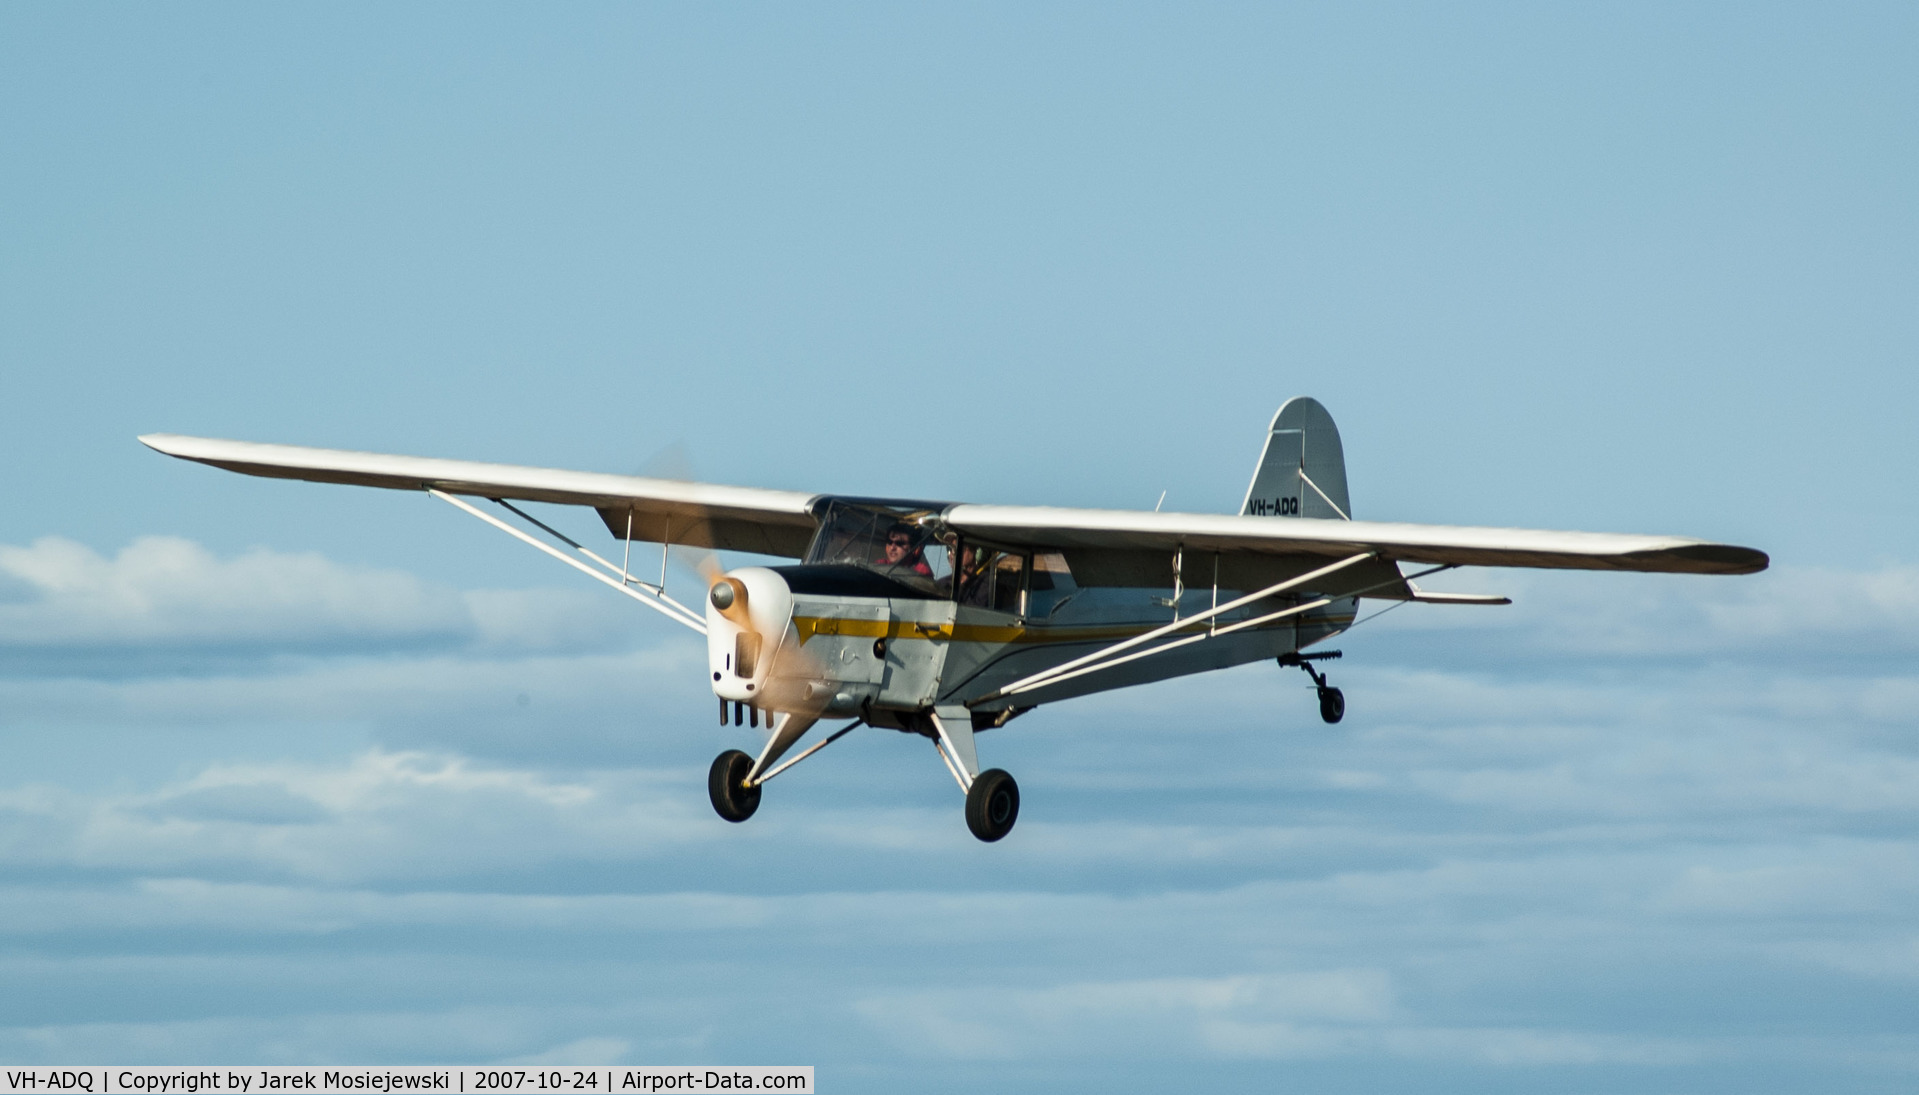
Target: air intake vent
746, 654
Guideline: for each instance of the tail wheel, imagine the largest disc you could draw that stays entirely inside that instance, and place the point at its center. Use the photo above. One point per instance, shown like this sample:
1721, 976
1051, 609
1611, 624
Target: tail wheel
992, 805
726, 786
1332, 704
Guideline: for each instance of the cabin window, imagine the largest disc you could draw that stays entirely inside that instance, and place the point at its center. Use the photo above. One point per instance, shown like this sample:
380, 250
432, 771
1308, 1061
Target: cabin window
991, 579
885, 539
1052, 585
1015, 582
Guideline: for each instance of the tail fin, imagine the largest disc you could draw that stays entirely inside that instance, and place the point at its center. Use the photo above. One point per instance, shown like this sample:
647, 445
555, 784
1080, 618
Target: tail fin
1302, 471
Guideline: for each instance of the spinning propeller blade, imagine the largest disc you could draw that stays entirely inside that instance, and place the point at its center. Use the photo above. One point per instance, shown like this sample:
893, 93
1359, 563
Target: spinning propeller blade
673, 462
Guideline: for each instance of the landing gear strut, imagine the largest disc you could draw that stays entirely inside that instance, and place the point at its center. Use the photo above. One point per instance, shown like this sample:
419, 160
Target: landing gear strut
1332, 702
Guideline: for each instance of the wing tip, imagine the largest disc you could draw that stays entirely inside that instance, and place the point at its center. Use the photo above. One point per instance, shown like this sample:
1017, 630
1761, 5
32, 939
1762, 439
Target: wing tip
1711, 559
162, 442
206, 450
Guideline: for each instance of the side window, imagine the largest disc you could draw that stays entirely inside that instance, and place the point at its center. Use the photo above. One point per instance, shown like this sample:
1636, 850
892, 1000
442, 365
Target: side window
1008, 573
1052, 584
990, 579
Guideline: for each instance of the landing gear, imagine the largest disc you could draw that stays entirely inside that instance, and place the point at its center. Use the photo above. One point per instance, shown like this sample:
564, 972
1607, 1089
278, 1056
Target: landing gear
992, 805
1332, 702
992, 798
726, 786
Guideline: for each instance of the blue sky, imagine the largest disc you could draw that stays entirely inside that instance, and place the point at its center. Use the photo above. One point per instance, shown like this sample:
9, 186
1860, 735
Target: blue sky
300, 773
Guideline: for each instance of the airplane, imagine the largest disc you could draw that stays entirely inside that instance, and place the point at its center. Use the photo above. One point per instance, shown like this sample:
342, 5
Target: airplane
947, 619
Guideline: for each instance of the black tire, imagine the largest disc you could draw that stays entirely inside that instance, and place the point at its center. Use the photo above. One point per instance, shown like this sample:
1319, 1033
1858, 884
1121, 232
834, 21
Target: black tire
1332, 704
992, 806
725, 786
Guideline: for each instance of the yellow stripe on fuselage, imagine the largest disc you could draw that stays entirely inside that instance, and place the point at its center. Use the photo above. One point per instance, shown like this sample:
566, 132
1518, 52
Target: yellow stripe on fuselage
810, 626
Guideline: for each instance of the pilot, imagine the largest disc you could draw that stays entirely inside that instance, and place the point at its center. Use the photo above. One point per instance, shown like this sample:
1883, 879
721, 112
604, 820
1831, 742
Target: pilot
903, 554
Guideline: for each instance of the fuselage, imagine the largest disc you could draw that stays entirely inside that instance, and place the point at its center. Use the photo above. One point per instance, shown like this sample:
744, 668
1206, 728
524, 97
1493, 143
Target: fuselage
852, 632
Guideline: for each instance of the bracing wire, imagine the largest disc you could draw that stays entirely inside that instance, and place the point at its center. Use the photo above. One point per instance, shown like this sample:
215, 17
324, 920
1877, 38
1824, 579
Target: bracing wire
1377, 615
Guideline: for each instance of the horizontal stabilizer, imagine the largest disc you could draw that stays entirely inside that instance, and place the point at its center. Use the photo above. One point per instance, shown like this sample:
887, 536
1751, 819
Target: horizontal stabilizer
1431, 598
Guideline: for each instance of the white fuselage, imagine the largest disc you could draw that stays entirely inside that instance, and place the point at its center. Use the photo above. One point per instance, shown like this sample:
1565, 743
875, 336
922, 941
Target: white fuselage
849, 654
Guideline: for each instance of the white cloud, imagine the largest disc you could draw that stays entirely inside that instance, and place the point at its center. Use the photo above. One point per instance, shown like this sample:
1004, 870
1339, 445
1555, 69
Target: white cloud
1809, 612
1274, 1017
1475, 869
1245, 1015
1531, 1048
383, 815
304, 1035
580, 1051
395, 688
164, 589
167, 594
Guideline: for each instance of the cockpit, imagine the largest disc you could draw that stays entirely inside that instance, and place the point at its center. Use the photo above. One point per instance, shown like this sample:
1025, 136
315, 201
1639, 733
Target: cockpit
893, 539
887, 539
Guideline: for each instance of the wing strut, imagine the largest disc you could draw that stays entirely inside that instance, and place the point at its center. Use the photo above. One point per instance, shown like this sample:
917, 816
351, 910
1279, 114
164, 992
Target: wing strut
1069, 668
1103, 658
641, 592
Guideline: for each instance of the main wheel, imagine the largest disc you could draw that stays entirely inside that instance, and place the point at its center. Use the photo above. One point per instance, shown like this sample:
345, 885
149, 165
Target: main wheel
726, 786
1332, 704
992, 806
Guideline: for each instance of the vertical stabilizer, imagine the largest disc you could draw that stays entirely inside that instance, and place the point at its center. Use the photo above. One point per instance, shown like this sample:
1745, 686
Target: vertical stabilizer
1302, 470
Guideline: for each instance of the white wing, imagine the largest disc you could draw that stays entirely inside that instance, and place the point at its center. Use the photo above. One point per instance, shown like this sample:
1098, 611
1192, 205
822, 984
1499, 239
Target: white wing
777, 522
770, 522
1455, 545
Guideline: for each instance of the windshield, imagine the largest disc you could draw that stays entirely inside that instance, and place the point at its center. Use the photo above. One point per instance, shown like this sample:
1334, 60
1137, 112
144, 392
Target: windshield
884, 539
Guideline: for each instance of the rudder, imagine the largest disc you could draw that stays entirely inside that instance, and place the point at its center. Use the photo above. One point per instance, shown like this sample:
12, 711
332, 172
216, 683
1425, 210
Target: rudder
1302, 469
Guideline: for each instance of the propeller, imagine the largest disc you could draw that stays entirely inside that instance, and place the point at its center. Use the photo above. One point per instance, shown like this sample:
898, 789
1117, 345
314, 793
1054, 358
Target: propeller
673, 462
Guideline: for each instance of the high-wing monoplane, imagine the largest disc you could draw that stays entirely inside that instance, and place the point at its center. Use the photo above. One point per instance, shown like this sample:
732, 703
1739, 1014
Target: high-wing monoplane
949, 619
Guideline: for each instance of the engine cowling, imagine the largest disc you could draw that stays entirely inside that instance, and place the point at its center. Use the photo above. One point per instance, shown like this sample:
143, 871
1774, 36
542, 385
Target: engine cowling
749, 615
757, 651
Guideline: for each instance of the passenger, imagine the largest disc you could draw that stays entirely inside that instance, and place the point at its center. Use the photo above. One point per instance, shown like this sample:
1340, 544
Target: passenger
974, 589
902, 554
